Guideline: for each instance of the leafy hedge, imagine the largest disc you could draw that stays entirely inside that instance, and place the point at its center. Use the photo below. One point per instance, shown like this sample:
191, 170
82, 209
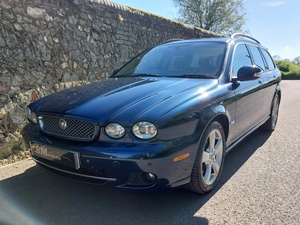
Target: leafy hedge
289, 70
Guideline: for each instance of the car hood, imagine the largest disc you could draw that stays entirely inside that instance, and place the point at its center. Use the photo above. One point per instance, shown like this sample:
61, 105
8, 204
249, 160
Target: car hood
125, 100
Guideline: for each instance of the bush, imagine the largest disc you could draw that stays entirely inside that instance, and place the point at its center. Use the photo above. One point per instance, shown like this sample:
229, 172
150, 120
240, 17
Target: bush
284, 66
289, 70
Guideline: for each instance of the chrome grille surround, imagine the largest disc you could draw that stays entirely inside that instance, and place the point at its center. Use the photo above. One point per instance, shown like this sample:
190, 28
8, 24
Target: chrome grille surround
68, 128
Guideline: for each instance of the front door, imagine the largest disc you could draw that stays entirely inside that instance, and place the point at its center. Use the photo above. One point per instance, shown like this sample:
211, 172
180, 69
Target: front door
248, 96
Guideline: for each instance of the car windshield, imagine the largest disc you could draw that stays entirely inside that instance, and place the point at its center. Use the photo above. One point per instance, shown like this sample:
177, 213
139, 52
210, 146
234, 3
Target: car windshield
186, 59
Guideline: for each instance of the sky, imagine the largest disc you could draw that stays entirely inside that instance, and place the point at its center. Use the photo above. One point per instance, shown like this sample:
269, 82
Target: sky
275, 23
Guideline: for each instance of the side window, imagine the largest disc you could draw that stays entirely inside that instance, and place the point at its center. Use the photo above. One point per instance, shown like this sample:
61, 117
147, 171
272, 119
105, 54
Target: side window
241, 58
257, 57
269, 60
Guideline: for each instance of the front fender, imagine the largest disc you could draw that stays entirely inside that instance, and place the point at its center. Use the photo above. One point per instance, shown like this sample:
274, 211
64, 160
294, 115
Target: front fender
179, 123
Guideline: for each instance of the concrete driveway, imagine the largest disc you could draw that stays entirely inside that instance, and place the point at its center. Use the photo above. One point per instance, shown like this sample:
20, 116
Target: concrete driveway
260, 185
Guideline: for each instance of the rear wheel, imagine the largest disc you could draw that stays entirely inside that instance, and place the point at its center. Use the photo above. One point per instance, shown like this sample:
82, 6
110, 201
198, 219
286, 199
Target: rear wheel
209, 162
270, 124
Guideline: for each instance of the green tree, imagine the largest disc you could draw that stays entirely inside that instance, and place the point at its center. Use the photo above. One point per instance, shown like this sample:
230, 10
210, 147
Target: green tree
221, 16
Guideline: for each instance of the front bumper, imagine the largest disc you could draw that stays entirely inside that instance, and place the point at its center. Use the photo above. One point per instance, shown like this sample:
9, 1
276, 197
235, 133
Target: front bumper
133, 166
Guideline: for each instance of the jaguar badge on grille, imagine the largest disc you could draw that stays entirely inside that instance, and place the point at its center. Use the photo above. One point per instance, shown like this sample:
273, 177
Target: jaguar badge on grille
62, 124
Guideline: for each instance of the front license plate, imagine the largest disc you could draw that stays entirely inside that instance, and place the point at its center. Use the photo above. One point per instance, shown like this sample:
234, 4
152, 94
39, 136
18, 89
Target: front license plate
62, 157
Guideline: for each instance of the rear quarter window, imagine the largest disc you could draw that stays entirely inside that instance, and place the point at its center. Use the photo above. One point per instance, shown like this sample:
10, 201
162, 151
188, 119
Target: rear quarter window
257, 57
269, 60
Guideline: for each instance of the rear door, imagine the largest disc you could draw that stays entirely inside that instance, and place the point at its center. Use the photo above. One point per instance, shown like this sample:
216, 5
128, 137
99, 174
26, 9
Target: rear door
265, 63
272, 74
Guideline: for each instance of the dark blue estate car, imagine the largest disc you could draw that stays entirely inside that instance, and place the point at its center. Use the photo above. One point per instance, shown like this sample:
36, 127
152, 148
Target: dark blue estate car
165, 119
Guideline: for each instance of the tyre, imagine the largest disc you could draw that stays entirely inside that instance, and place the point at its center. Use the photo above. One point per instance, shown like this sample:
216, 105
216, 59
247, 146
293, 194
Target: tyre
270, 124
209, 161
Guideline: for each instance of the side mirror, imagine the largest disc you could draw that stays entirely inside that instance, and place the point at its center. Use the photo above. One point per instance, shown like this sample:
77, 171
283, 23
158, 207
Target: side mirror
247, 73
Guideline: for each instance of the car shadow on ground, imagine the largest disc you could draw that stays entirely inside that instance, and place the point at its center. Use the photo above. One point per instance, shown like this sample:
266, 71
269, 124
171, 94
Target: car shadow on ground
38, 197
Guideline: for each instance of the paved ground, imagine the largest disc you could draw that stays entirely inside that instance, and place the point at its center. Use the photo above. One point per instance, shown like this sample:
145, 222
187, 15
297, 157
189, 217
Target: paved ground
260, 185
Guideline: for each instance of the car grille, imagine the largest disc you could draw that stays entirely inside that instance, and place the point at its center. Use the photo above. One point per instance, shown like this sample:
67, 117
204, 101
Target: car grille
68, 128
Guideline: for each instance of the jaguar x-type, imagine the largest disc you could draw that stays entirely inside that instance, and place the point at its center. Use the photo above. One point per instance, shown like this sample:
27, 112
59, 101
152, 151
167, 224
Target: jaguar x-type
165, 119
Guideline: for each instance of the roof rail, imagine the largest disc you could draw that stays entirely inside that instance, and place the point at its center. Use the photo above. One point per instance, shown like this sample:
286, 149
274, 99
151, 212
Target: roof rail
244, 36
171, 40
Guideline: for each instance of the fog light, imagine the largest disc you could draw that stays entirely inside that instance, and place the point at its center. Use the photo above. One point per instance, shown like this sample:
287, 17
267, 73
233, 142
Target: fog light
141, 179
148, 178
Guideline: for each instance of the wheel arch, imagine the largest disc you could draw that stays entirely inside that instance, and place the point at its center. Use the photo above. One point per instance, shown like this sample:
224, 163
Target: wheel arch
277, 92
223, 120
279, 95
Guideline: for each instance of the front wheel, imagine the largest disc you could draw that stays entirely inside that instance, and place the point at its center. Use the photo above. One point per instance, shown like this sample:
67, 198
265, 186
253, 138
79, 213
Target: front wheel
209, 162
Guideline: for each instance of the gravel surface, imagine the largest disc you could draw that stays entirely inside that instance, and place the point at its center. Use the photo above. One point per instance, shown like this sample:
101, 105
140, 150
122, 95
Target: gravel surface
15, 158
260, 185
15, 168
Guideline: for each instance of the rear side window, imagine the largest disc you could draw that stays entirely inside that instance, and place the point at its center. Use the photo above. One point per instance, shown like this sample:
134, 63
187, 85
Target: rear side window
258, 60
269, 60
241, 58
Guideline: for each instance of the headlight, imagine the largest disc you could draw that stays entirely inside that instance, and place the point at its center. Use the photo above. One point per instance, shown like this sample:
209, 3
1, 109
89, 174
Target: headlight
31, 116
115, 130
144, 130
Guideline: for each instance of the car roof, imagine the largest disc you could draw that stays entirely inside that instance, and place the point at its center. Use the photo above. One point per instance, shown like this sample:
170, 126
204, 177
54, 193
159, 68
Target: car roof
214, 39
234, 39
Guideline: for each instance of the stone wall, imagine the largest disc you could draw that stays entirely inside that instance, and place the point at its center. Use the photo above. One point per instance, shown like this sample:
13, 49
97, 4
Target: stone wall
49, 45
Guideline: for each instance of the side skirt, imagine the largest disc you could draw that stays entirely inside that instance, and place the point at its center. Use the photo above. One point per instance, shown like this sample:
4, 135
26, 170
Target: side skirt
231, 146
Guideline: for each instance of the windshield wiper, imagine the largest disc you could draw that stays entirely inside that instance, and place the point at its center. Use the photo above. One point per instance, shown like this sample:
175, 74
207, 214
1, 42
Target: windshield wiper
136, 75
144, 75
203, 76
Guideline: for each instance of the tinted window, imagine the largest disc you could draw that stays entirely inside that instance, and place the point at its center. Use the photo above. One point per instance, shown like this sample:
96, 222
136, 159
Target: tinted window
269, 60
241, 58
258, 60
